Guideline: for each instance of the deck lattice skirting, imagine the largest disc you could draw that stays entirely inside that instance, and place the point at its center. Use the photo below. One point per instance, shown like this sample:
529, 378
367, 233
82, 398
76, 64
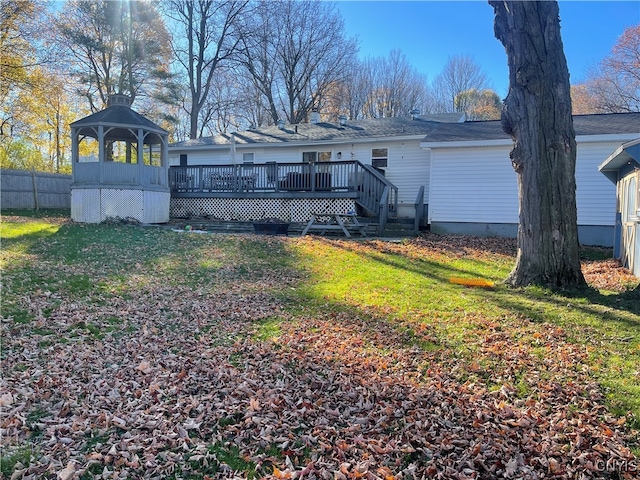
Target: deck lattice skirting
247, 209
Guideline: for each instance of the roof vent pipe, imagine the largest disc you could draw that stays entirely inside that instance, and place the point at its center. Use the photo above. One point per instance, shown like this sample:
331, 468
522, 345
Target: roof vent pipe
280, 124
414, 114
343, 120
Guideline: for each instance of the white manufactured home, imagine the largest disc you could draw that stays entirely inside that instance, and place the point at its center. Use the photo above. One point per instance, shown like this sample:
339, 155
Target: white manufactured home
473, 187
458, 173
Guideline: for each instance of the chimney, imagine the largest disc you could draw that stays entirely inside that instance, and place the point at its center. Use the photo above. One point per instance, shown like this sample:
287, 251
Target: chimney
343, 120
119, 99
315, 117
280, 124
414, 114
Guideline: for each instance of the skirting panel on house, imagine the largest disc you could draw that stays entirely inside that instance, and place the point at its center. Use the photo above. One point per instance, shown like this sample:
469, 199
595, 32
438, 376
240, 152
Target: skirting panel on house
595, 235
249, 209
96, 205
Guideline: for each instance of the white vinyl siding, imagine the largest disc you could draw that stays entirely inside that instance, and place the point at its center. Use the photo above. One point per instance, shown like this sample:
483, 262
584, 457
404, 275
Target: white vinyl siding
408, 169
595, 194
478, 185
475, 185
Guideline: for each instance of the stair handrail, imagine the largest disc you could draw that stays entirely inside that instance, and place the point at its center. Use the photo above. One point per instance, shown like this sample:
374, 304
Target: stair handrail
419, 206
383, 213
372, 203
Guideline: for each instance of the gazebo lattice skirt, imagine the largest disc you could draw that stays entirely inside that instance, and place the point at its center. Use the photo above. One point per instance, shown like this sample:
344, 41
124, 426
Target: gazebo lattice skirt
251, 209
95, 205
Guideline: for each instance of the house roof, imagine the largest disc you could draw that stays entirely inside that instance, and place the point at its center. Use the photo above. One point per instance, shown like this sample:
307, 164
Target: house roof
599, 124
328, 132
440, 128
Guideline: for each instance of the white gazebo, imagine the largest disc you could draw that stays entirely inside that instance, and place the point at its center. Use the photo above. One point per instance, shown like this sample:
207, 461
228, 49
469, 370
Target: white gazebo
120, 166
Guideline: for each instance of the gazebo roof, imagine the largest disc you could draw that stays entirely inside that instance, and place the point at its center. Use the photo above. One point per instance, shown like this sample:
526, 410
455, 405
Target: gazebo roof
119, 119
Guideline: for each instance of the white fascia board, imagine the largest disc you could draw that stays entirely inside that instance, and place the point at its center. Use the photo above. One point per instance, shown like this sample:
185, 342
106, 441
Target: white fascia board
343, 141
616, 137
613, 137
501, 142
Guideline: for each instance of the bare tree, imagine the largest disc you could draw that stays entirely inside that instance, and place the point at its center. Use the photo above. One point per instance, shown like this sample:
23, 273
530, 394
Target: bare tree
397, 87
379, 87
615, 83
260, 43
313, 53
350, 96
296, 52
461, 73
225, 106
583, 102
537, 115
207, 36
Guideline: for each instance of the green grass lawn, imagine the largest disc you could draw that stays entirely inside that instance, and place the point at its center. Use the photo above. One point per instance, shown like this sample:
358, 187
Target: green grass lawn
393, 301
414, 292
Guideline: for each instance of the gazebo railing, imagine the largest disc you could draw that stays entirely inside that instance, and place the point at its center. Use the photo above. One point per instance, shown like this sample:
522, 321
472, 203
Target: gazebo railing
116, 173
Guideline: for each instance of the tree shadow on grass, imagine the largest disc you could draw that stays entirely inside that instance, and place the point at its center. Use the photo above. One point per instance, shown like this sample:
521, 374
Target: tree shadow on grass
433, 269
622, 308
571, 309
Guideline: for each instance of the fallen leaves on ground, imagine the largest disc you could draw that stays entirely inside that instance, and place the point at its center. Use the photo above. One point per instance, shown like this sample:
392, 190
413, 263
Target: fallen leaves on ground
185, 387
608, 275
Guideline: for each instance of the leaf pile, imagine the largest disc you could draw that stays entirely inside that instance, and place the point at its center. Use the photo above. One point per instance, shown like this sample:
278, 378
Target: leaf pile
608, 275
157, 380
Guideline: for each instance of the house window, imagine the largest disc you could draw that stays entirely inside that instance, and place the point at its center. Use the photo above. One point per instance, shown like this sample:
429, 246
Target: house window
379, 157
310, 157
320, 157
247, 158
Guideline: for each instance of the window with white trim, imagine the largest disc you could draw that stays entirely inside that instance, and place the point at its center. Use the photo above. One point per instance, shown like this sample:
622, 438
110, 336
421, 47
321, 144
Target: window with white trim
379, 157
311, 157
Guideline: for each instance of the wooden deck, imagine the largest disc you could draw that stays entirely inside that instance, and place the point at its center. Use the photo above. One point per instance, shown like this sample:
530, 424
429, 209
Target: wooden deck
341, 179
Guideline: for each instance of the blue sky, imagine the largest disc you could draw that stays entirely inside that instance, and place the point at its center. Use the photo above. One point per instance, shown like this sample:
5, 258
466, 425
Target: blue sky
429, 32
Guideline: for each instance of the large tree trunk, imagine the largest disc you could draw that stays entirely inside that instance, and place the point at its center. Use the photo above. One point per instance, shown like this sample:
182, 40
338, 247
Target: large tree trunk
537, 114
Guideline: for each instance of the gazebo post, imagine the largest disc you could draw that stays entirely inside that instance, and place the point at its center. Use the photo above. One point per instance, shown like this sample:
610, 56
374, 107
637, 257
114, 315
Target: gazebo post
101, 152
74, 151
140, 153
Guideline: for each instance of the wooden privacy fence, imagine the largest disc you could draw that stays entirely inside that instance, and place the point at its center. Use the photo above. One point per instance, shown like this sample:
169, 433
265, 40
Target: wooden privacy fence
31, 189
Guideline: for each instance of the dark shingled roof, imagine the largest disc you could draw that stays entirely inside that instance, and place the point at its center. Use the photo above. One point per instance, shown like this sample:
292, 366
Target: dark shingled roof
434, 128
120, 115
324, 131
601, 124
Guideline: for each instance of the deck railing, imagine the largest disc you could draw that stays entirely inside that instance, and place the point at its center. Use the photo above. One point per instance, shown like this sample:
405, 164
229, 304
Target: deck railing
349, 176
